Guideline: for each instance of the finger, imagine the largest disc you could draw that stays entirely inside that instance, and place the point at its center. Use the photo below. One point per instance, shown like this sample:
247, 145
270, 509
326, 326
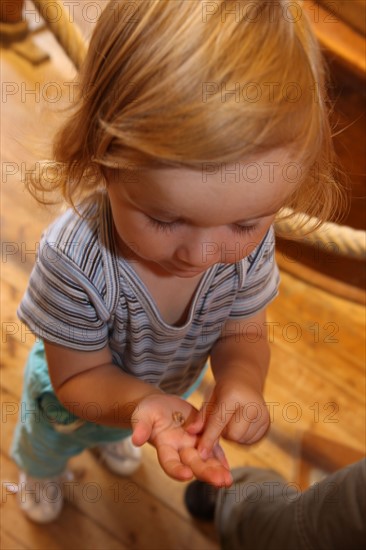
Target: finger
171, 463
214, 426
236, 430
141, 432
210, 471
254, 434
256, 426
218, 453
195, 423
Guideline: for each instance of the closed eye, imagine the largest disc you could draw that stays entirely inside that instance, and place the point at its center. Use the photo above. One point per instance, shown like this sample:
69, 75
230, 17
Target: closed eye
244, 229
165, 227
168, 227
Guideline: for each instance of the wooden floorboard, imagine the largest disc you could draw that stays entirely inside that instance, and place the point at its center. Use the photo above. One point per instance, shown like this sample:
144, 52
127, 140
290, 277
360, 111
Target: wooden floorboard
9, 542
316, 384
135, 512
74, 529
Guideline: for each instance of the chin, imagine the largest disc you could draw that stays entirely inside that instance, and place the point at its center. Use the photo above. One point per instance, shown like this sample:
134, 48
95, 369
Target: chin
186, 274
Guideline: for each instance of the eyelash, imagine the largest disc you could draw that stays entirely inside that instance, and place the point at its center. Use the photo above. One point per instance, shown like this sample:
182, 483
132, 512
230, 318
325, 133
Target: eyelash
244, 229
165, 227
168, 227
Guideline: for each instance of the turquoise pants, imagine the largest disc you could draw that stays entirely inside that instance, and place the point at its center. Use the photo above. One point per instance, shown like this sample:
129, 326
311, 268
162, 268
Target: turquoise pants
48, 434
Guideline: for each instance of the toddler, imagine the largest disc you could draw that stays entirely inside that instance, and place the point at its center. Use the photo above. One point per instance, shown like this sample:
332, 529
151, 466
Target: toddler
195, 123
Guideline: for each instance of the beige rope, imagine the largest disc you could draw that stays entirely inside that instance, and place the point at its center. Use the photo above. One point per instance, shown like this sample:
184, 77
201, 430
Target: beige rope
333, 238
67, 33
330, 237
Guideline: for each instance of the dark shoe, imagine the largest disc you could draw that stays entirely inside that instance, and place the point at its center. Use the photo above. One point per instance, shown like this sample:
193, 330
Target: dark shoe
200, 499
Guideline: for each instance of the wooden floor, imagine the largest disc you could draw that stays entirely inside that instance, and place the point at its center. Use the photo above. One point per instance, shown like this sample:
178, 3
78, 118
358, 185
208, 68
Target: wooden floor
315, 389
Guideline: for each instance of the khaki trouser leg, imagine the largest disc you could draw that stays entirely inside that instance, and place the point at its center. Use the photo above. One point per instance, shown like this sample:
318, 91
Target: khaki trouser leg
262, 512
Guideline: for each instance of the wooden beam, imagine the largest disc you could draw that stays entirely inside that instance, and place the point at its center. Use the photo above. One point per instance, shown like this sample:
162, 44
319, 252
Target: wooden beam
338, 38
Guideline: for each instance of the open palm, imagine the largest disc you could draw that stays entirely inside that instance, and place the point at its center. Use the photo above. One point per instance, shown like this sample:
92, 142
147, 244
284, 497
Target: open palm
160, 419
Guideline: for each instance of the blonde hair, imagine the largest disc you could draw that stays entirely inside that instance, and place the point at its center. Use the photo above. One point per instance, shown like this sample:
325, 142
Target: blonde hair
174, 83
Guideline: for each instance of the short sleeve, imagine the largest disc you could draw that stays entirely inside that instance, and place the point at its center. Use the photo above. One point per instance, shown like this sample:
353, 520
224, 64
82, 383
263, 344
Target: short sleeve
62, 305
260, 281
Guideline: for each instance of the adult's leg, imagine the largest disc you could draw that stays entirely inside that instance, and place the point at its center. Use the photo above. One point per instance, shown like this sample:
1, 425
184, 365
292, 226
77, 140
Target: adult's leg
261, 511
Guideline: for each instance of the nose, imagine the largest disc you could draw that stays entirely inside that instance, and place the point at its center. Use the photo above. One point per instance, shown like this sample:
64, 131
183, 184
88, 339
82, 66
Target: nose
199, 251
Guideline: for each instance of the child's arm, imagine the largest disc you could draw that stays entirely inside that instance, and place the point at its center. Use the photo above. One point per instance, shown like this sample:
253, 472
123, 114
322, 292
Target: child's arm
236, 409
81, 378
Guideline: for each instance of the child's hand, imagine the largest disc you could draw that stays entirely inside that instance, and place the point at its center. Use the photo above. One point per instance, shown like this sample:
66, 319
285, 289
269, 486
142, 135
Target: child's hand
160, 419
234, 411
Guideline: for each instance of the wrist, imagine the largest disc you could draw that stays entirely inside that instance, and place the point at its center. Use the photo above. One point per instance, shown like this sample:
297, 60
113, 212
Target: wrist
240, 374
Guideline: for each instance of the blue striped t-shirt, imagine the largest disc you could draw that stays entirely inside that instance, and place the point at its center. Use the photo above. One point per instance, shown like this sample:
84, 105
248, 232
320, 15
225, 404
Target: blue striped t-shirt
84, 296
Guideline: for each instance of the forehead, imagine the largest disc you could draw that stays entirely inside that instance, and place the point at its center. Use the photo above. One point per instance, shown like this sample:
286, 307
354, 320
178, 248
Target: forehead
223, 192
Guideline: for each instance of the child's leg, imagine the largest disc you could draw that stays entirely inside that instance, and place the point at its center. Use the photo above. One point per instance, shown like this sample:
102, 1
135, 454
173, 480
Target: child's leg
39, 449
46, 436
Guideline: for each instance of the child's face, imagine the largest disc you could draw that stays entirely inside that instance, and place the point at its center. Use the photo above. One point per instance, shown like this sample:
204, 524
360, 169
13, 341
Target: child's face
180, 222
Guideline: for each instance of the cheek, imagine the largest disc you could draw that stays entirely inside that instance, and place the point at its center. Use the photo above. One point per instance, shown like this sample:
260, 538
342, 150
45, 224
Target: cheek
147, 242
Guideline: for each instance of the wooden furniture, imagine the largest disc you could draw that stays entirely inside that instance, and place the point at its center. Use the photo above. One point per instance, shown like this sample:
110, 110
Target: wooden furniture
16, 34
344, 48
